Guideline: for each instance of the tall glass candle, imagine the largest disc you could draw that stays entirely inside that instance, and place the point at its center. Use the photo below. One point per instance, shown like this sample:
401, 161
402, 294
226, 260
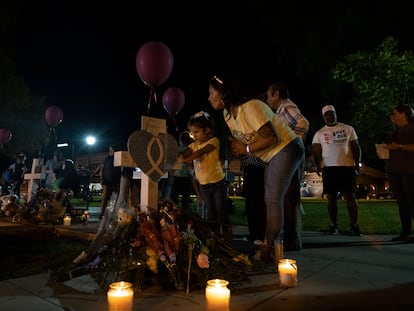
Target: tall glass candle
217, 295
288, 272
120, 296
279, 254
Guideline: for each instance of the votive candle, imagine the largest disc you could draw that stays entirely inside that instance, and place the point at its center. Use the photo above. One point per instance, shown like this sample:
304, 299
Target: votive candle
288, 272
120, 296
67, 220
217, 295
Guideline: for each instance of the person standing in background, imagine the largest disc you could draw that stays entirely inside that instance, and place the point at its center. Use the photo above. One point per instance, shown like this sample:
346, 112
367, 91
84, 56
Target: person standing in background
110, 178
253, 170
17, 171
337, 154
51, 166
400, 167
165, 185
182, 184
278, 99
70, 180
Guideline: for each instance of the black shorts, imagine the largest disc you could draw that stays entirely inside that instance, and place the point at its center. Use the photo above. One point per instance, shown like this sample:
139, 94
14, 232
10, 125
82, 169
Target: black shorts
339, 179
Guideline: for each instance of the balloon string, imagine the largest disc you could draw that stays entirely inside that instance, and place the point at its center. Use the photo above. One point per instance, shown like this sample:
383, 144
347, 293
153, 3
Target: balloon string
48, 136
154, 94
54, 133
149, 101
152, 98
175, 123
51, 130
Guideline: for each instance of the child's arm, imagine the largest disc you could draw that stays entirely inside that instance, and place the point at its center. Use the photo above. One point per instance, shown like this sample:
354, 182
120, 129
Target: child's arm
189, 155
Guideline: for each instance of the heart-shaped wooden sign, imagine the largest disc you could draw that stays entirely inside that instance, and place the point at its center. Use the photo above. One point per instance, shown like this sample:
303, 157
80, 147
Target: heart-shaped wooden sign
154, 155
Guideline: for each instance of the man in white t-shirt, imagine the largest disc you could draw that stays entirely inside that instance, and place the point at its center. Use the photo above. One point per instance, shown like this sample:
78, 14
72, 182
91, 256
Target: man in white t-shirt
337, 154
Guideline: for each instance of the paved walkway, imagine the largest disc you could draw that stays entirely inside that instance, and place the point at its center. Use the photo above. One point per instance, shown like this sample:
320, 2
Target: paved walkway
334, 273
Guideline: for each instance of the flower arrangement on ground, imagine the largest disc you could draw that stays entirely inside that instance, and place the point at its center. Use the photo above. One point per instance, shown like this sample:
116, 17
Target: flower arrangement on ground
166, 246
43, 208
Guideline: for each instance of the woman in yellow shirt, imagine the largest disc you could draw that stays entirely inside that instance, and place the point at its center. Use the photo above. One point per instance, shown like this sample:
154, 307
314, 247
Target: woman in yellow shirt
256, 129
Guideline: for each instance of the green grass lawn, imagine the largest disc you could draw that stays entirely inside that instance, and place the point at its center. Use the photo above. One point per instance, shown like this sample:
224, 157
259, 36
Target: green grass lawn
375, 216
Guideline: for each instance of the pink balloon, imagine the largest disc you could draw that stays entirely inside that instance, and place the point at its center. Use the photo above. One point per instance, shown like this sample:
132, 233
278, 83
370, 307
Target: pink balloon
154, 63
5, 135
173, 100
53, 116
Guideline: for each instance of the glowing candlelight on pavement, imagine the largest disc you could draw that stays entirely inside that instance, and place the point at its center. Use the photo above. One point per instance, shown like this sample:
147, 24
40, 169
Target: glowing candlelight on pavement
67, 220
120, 296
288, 272
217, 295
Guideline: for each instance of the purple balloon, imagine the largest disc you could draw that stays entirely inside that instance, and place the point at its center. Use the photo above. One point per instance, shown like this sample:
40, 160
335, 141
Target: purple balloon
154, 63
5, 135
53, 116
173, 100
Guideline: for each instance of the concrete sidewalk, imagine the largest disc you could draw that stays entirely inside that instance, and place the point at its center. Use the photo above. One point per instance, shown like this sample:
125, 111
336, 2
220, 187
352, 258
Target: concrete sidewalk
334, 273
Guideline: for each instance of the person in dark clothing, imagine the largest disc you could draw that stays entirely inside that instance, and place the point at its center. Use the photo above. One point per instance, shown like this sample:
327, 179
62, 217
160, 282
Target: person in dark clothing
70, 180
4, 169
253, 191
183, 184
400, 167
110, 178
16, 176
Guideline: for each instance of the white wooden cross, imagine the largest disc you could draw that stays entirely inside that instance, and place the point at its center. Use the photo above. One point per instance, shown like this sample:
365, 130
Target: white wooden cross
34, 178
149, 188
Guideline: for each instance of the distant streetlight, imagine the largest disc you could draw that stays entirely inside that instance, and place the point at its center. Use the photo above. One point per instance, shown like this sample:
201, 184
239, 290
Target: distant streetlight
90, 140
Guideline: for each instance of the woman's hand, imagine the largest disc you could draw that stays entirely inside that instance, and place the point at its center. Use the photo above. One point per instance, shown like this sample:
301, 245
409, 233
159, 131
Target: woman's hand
266, 138
237, 147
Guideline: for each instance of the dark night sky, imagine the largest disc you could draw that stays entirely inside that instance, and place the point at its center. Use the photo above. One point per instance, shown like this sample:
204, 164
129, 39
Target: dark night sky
81, 55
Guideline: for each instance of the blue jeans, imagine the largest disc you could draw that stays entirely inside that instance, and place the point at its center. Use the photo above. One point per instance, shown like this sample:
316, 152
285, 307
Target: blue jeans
215, 199
278, 175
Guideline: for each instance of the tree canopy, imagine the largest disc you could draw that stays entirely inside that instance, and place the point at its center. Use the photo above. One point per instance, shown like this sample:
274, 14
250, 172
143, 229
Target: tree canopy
379, 80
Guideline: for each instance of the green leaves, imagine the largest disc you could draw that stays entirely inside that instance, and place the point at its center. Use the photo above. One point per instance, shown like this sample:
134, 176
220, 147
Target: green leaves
380, 80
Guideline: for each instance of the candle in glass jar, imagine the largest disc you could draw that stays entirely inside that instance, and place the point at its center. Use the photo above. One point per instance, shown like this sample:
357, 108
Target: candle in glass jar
67, 220
217, 295
288, 272
120, 296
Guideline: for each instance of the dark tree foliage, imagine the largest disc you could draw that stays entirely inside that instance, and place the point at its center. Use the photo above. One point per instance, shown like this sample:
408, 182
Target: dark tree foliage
20, 113
380, 80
